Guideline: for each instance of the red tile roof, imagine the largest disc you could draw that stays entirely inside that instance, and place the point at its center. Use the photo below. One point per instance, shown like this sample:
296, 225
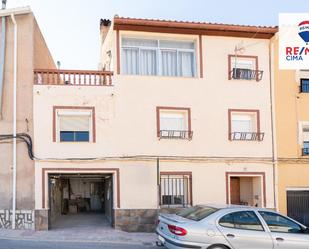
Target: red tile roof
202, 28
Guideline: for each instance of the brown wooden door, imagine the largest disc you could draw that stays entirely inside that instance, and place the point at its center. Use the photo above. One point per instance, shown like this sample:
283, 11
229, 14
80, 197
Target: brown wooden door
235, 190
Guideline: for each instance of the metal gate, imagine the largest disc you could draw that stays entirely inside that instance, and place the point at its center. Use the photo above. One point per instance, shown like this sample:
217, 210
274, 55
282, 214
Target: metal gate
298, 206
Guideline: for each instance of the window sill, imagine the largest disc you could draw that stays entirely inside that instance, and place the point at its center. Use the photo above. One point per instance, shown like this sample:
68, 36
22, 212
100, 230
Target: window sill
159, 76
74, 142
244, 80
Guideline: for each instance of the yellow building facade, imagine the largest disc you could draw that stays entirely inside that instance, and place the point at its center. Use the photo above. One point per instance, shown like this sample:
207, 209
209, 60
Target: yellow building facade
291, 116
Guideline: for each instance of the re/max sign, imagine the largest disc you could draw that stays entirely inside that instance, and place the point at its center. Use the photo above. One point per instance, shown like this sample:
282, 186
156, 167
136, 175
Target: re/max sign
296, 53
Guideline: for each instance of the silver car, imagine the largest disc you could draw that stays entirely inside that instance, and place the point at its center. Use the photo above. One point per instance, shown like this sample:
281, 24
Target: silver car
230, 227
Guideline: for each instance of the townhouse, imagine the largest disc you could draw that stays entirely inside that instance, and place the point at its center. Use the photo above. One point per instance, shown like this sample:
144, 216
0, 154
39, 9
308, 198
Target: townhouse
179, 114
292, 138
22, 49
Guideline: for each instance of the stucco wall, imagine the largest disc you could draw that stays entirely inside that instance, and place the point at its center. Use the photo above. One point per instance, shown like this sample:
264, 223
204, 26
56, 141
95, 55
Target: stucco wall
126, 112
25, 167
291, 108
126, 125
138, 179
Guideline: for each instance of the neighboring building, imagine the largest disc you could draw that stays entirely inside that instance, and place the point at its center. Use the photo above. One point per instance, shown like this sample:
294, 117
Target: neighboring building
292, 133
32, 52
185, 119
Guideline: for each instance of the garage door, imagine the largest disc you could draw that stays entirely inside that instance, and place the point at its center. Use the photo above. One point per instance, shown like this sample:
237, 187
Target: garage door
298, 206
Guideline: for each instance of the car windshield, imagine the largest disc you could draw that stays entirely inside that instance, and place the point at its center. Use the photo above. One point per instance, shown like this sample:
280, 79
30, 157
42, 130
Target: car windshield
196, 213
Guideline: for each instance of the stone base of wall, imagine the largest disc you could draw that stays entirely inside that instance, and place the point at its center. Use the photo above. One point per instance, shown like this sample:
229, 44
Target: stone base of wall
136, 220
140, 220
129, 220
41, 220
24, 219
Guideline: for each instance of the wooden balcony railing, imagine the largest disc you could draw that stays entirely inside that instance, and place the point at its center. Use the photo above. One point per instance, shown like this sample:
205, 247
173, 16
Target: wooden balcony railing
72, 77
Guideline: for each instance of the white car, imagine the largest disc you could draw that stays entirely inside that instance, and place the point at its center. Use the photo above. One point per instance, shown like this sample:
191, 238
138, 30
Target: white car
230, 227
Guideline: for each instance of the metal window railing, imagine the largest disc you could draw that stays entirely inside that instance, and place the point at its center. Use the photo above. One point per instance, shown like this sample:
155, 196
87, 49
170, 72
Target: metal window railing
305, 151
247, 136
246, 74
304, 86
175, 134
175, 191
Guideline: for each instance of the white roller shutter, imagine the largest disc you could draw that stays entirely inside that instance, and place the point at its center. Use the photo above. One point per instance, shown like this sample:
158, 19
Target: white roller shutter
74, 121
306, 133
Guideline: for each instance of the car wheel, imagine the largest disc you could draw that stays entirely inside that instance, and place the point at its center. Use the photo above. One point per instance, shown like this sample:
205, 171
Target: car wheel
217, 247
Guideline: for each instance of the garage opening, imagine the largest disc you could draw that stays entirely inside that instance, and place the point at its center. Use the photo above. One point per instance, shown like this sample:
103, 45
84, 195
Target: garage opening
297, 205
80, 200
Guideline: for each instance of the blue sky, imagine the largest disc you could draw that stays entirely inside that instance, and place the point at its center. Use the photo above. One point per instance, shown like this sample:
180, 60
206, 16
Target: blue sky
71, 27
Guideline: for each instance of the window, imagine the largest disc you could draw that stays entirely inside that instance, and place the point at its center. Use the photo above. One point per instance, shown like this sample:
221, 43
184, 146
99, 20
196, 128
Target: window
174, 123
197, 213
242, 220
304, 85
305, 140
158, 57
74, 125
244, 125
244, 67
280, 224
175, 189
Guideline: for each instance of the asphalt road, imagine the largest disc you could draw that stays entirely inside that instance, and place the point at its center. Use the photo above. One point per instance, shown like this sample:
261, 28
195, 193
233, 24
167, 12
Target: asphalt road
25, 244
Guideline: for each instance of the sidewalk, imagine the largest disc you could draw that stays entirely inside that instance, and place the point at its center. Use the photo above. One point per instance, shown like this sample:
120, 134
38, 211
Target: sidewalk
106, 235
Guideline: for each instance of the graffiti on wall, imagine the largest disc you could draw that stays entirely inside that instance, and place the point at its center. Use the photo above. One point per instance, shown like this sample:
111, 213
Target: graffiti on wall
24, 219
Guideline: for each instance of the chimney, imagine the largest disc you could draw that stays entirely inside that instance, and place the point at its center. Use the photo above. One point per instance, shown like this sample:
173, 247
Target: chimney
105, 25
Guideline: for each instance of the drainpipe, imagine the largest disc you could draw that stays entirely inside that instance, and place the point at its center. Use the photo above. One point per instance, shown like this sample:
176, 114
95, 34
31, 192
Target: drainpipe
158, 182
2, 55
273, 121
14, 121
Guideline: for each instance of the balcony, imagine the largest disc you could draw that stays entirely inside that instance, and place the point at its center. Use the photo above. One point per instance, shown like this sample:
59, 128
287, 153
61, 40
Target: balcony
72, 77
174, 134
247, 136
246, 74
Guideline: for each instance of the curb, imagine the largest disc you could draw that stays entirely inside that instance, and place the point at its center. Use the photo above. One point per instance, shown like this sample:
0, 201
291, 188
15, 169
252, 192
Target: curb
148, 244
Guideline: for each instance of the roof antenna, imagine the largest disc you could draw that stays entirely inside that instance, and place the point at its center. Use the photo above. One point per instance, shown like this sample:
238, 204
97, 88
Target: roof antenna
4, 4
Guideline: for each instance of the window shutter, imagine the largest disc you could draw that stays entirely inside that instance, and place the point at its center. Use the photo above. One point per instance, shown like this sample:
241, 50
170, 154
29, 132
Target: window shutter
74, 123
306, 134
172, 121
241, 123
243, 63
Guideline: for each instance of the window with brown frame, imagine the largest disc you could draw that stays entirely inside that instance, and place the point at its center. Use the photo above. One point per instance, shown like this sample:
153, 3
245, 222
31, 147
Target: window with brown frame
244, 67
244, 125
174, 123
73, 124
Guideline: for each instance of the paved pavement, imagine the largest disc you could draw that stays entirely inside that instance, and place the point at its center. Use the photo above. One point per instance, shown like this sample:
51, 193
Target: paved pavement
78, 229
22, 244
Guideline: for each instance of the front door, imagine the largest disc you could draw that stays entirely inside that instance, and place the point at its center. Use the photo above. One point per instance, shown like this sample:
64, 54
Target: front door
235, 190
285, 233
243, 230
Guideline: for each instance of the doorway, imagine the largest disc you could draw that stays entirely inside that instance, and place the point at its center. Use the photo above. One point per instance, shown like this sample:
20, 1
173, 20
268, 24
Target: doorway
80, 200
246, 190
